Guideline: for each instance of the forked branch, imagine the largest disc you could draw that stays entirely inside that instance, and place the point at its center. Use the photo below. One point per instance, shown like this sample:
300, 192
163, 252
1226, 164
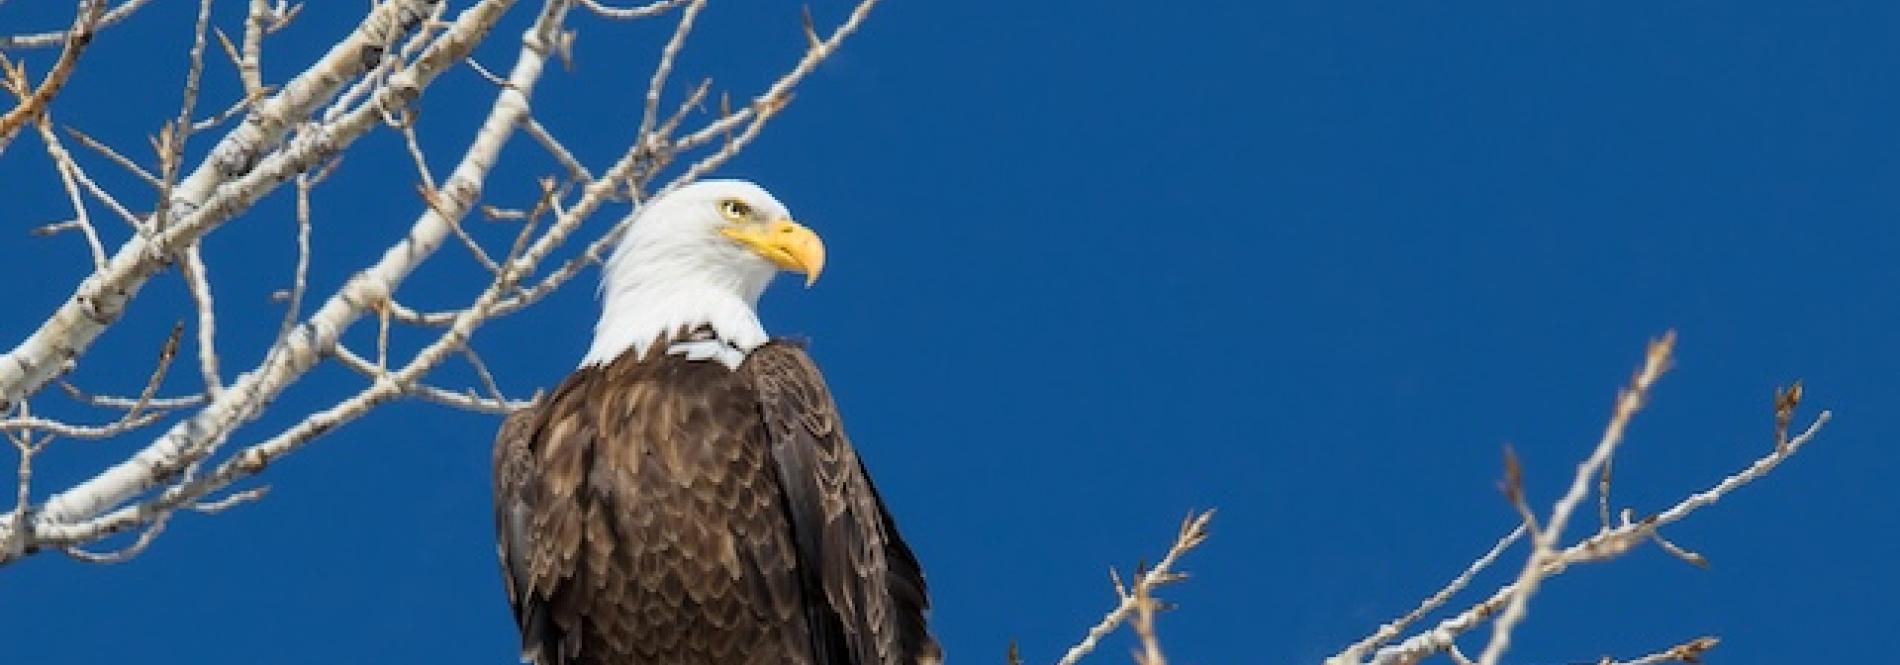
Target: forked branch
1506, 607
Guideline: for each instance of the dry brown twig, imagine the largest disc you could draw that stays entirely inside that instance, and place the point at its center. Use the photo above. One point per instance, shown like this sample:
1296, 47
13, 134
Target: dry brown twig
1137, 600
34, 98
1687, 652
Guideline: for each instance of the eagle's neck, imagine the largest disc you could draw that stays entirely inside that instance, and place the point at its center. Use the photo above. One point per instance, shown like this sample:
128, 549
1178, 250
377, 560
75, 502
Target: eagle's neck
653, 293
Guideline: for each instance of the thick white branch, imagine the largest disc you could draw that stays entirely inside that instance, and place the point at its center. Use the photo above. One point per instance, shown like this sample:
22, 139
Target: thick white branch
101, 298
192, 439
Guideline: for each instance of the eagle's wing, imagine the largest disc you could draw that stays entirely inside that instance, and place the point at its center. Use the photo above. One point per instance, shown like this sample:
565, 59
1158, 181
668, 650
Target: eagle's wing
849, 550
545, 513
525, 559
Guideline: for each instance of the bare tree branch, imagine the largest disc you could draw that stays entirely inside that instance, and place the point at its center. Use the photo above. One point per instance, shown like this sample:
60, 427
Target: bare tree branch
297, 133
1606, 544
1549, 557
1139, 598
1546, 541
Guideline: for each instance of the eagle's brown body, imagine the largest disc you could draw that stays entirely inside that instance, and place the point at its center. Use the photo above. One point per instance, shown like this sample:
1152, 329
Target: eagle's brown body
670, 511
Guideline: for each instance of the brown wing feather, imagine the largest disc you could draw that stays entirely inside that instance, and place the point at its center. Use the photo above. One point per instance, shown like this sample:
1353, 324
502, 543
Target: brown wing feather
640, 521
515, 472
849, 547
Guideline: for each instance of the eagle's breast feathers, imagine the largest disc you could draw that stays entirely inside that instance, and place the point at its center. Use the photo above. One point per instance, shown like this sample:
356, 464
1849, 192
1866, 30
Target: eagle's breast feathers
669, 510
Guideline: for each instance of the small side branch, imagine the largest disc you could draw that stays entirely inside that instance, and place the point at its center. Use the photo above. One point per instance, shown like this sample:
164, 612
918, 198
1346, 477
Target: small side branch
69, 176
1687, 652
1545, 541
56, 37
629, 13
1391, 631
135, 415
1139, 597
199, 283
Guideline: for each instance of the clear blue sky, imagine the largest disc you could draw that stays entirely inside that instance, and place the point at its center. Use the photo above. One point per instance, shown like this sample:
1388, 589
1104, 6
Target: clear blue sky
1094, 264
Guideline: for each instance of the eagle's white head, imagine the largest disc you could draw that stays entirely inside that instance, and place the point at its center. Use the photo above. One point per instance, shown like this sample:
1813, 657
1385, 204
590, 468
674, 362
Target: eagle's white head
699, 255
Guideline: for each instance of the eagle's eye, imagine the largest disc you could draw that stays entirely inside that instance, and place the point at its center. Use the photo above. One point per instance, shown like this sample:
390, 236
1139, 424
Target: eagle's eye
735, 210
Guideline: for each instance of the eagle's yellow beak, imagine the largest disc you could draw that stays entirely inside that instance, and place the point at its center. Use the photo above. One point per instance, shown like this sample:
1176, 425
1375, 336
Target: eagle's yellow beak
785, 243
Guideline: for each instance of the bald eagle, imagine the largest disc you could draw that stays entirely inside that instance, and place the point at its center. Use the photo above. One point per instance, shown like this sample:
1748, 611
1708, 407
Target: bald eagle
688, 496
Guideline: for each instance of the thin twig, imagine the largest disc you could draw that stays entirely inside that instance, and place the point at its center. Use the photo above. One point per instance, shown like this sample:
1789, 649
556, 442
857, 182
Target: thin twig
1786, 399
198, 282
250, 60
1146, 607
68, 176
19, 532
434, 201
1546, 541
1687, 652
466, 400
481, 372
1391, 631
99, 193
484, 73
124, 554
124, 424
135, 416
642, 11
56, 37
121, 160
235, 498
1193, 533
1679, 551
165, 355
119, 402
293, 310
540, 134
173, 136
775, 97
71, 171
241, 105
414, 145
657, 85
1603, 492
